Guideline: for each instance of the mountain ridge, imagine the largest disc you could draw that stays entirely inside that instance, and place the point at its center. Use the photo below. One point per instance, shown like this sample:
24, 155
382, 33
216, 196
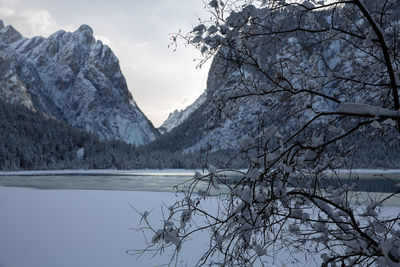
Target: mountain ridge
73, 78
178, 117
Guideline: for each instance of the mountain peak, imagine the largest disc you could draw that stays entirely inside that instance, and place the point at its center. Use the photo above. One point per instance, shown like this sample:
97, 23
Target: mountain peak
85, 34
1, 24
9, 33
85, 30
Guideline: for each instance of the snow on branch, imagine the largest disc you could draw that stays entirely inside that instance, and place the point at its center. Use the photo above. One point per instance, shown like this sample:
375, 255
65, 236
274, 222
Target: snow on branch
366, 110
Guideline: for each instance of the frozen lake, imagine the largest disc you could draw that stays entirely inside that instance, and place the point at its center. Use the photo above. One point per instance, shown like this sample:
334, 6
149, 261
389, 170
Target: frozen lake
69, 224
165, 180
126, 181
69, 219
73, 228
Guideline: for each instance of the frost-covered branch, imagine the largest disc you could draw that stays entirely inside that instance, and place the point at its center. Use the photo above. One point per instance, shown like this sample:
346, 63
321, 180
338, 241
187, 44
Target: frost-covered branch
355, 109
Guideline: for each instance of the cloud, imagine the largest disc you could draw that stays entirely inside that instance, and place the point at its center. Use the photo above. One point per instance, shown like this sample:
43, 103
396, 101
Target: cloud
30, 22
6, 11
160, 80
105, 40
37, 21
184, 101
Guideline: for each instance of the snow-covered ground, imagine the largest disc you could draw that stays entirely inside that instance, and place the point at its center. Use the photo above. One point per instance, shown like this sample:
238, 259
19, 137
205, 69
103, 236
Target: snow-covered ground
78, 228
73, 228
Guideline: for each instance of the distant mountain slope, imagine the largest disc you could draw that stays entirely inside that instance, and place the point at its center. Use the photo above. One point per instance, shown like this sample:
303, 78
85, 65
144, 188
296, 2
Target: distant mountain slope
178, 117
72, 78
208, 126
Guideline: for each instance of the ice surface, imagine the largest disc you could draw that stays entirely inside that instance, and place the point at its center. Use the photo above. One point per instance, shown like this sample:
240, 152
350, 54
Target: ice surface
93, 227
74, 228
82, 228
102, 171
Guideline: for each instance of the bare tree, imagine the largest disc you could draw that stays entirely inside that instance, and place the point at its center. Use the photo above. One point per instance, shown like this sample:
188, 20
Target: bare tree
330, 70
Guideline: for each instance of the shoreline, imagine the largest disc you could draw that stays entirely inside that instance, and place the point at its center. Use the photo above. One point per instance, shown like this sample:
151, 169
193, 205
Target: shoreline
100, 171
170, 172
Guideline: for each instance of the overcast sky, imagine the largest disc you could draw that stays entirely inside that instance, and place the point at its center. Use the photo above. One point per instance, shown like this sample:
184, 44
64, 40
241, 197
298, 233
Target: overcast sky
137, 31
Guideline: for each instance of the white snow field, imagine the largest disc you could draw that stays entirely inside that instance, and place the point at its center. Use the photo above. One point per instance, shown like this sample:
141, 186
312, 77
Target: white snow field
81, 228
73, 228
84, 228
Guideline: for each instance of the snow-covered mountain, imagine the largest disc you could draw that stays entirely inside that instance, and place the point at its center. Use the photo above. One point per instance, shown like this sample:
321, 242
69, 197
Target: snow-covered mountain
206, 125
73, 78
178, 117
240, 101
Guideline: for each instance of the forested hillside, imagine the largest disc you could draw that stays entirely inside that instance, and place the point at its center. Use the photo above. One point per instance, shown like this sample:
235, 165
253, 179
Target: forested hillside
33, 141
30, 140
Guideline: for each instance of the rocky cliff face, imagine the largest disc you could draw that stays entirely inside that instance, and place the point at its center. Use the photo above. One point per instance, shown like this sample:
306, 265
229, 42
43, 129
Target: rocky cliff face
73, 78
241, 101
